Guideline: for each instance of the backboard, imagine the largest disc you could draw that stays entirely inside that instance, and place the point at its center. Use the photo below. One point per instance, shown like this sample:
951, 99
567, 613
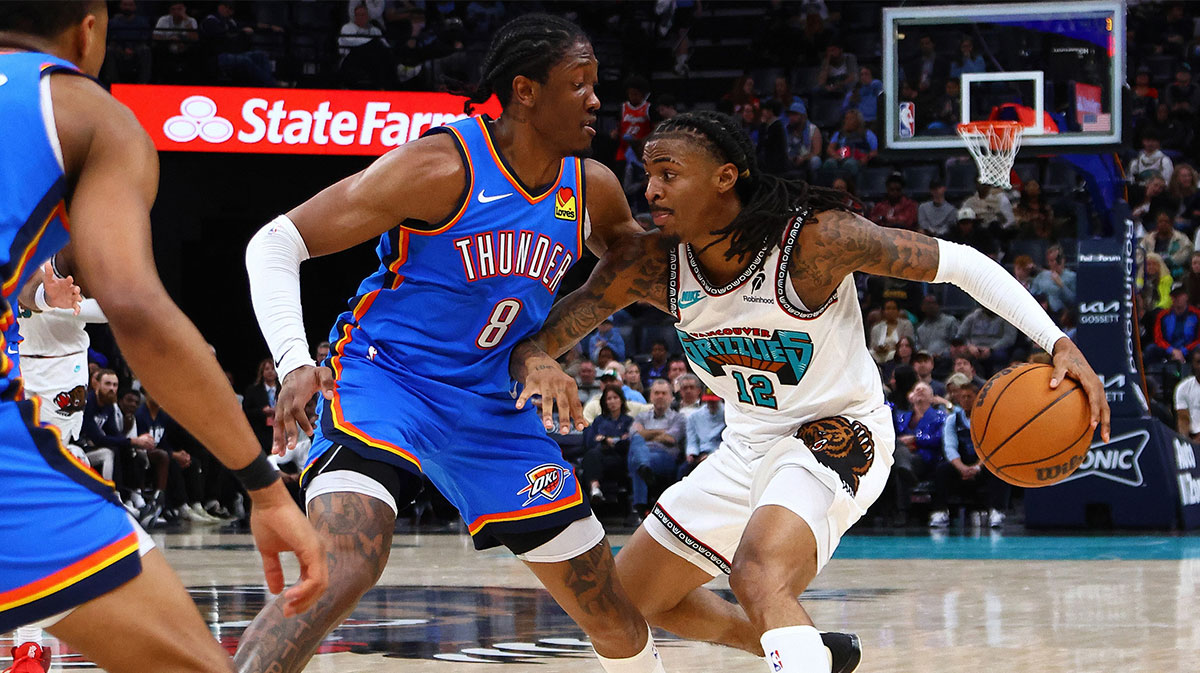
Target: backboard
1058, 67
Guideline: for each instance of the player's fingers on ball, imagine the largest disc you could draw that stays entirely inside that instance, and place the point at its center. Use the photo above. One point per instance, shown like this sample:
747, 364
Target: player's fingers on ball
1059, 372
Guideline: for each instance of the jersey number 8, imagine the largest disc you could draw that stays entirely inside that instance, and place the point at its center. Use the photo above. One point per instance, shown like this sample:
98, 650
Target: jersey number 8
503, 315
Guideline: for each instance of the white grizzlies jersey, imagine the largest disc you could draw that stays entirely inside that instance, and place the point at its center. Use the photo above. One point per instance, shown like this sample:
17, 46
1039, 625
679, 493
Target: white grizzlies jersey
58, 331
776, 363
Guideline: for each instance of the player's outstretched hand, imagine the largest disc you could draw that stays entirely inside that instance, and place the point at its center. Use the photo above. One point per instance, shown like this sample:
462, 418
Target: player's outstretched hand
60, 292
1069, 361
278, 526
298, 388
558, 390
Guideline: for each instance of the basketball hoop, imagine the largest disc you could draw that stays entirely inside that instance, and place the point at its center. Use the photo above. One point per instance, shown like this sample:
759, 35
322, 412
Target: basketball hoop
994, 145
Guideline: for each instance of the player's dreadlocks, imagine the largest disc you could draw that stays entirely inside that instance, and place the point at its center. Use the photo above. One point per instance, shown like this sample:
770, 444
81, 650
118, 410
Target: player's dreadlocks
768, 201
528, 45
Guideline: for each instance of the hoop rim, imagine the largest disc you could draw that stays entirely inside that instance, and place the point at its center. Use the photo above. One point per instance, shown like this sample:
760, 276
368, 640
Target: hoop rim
991, 125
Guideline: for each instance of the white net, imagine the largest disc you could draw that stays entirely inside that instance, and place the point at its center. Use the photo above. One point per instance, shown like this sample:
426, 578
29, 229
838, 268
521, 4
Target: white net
994, 146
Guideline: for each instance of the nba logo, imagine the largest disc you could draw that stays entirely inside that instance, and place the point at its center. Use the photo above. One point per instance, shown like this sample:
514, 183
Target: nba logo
776, 661
908, 119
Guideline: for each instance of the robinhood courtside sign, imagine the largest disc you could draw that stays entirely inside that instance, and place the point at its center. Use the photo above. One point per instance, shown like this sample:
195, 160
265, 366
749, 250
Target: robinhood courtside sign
288, 121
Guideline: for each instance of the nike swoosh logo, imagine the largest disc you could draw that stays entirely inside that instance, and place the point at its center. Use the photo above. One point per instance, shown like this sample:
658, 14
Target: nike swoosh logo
281, 357
684, 303
3, 79
488, 199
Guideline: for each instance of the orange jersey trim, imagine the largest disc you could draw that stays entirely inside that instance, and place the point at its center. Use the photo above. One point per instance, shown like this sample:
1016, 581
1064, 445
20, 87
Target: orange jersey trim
59, 210
462, 209
533, 512
339, 417
401, 257
72, 574
581, 204
487, 137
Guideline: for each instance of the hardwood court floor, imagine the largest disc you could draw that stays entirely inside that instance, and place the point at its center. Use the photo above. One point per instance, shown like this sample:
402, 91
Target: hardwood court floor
957, 602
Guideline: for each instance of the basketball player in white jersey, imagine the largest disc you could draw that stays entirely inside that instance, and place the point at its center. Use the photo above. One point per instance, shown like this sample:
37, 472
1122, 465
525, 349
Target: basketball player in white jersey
758, 272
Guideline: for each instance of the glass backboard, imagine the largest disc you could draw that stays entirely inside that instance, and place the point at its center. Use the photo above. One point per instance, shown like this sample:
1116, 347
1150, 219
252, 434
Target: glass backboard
1057, 67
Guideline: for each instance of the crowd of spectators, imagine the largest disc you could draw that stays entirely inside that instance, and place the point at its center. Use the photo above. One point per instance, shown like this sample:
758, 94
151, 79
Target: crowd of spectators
652, 421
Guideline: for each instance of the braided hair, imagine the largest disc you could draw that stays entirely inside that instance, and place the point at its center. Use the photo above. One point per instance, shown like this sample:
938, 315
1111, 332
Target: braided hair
528, 45
768, 201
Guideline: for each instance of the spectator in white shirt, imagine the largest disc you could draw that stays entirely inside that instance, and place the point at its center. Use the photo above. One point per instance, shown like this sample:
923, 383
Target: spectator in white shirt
937, 216
1187, 401
358, 31
1151, 160
991, 208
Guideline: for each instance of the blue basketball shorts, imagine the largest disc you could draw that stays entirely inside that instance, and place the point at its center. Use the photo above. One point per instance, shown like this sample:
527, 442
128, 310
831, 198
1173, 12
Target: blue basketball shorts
495, 463
64, 537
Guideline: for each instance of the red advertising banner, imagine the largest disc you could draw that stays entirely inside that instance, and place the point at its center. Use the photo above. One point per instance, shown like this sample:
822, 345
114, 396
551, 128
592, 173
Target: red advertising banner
288, 121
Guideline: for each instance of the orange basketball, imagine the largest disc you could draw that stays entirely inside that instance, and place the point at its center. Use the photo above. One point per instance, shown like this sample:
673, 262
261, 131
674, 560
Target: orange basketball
1026, 433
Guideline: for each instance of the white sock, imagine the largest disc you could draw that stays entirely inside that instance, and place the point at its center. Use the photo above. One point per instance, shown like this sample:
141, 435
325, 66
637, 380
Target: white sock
28, 634
792, 649
646, 661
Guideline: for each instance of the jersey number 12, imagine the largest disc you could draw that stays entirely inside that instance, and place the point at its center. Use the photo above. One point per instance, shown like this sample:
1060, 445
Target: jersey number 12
760, 392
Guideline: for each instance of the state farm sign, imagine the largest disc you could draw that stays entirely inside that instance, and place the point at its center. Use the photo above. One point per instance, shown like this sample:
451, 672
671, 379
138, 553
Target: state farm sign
287, 121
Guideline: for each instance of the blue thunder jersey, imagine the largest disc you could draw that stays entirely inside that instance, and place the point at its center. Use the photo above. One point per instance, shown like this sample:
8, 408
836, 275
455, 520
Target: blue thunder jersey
450, 299
33, 216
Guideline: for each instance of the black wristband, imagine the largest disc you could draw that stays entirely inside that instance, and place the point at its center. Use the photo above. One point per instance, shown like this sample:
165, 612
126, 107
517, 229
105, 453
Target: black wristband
260, 473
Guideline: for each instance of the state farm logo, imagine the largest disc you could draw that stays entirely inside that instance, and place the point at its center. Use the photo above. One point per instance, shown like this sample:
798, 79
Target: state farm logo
1116, 461
198, 118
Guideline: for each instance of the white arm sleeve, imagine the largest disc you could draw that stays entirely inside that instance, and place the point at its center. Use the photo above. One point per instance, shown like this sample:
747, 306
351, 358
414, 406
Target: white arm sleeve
273, 259
989, 284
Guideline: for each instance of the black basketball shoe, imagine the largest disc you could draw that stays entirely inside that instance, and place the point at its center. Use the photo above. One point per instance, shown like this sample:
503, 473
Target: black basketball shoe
845, 649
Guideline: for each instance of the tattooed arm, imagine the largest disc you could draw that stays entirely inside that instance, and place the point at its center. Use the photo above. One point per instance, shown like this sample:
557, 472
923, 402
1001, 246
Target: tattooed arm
839, 243
633, 269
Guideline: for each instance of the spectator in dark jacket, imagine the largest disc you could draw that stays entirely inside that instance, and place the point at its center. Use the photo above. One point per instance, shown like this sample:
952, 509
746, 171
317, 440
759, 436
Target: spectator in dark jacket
772, 143
606, 440
259, 403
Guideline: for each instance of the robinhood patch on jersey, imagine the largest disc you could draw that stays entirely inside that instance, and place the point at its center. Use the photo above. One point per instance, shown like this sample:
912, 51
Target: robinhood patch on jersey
545, 481
784, 353
564, 204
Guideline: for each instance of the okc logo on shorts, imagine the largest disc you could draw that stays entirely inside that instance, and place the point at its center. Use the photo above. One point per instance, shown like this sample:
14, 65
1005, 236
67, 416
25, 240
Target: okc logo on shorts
564, 204
545, 481
198, 117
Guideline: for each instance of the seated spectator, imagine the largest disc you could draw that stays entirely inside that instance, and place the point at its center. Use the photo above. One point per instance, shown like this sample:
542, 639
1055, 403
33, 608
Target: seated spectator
750, 118
803, 141
989, 338
704, 430
845, 184
676, 367
864, 95
905, 350
606, 441
1155, 283
605, 335
919, 429
839, 70
772, 143
1176, 332
1024, 270
887, 333
851, 146
184, 485
1145, 96
1175, 130
128, 57
687, 392
1154, 198
742, 94
175, 35
612, 377
896, 210
258, 402
589, 387
947, 108
1184, 189
321, 352
936, 217
656, 460
969, 231
1183, 95
632, 377
1034, 217
967, 61
992, 209
105, 426
154, 457
366, 56
1187, 401
1168, 243
1191, 279
656, 368
1151, 160
1056, 282
962, 474
606, 357
783, 93
922, 364
927, 68
936, 328
230, 40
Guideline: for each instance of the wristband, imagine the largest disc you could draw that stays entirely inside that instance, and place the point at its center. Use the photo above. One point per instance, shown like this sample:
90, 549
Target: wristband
39, 299
260, 473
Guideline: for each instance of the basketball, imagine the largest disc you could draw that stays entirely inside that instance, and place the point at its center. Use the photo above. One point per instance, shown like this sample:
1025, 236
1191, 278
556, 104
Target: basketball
1027, 433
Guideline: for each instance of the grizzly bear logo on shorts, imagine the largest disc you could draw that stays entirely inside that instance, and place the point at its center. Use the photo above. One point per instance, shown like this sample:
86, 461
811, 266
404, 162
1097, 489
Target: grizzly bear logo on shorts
842, 445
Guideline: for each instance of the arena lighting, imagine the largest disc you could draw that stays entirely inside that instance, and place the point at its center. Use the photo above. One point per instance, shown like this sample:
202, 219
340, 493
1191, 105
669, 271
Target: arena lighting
288, 121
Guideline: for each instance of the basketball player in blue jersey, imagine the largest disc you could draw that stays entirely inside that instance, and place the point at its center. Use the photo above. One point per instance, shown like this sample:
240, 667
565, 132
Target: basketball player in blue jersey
808, 439
72, 159
477, 222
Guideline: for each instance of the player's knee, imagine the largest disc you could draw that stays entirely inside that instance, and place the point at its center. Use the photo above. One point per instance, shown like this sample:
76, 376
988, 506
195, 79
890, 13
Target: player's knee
352, 574
755, 581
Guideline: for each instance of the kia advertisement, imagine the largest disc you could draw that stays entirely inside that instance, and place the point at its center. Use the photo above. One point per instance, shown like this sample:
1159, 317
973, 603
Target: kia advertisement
288, 121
